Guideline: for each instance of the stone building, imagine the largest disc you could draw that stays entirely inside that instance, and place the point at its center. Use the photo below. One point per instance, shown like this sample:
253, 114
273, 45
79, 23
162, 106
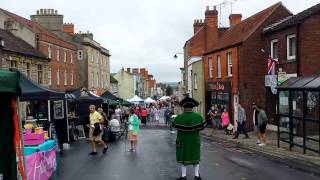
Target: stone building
63, 68
18, 54
114, 85
93, 59
126, 84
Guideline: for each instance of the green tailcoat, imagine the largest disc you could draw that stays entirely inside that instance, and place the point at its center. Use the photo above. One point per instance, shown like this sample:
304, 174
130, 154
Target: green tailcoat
188, 125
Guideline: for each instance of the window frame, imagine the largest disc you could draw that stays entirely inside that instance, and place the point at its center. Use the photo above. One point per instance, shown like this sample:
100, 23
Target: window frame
195, 81
49, 51
49, 77
272, 42
210, 67
58, 77
219, 66
64, 55
58, 54
71, 57
229, 64
40, 73
65, 76
293, 57
72, 80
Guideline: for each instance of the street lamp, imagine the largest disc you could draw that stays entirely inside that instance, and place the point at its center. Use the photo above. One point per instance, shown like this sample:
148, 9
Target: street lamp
176, 55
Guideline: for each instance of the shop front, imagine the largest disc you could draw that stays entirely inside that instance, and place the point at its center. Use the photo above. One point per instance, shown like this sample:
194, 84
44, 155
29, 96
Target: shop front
220, 94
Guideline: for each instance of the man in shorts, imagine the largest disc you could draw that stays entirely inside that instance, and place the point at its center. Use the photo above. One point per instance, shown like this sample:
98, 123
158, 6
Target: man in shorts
255, 122
95, 133
262, 124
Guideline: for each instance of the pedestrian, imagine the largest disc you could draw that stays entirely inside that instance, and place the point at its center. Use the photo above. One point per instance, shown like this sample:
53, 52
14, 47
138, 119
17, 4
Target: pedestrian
104, 116
188, 125
95, 132
241, 122
225, 119
167, 115
118, 112
133, 127
262, 124
255, 122
144, 115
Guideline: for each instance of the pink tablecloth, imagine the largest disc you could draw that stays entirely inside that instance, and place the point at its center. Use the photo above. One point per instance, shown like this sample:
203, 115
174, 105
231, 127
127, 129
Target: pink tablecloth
41, 165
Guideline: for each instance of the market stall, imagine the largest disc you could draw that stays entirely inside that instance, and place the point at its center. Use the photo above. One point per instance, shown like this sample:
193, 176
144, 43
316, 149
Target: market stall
10, 129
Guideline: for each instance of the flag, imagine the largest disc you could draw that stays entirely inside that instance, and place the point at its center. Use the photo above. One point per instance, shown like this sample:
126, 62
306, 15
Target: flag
271, 66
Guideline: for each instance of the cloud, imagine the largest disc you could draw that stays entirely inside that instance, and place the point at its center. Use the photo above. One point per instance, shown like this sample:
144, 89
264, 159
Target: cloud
143, 33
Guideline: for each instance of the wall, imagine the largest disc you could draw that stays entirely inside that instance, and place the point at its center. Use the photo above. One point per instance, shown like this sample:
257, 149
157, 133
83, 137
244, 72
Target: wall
198, 94
21, 31
126, 84
253, 66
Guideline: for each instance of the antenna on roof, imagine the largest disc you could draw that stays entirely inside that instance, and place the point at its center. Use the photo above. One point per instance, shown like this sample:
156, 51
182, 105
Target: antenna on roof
223, 6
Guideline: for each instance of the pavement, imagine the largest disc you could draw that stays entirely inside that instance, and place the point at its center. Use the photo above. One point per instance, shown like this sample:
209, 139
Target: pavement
155, 160
309, 162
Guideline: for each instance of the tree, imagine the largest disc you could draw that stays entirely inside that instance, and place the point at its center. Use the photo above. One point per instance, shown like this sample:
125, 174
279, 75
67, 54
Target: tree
169, 90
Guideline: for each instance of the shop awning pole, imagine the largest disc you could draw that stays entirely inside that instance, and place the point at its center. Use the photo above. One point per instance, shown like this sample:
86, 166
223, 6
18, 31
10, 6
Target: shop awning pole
68, 135
21, 137
49, 118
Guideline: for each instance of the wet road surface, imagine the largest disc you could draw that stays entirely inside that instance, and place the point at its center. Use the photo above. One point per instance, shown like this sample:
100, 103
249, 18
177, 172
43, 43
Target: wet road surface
155, 160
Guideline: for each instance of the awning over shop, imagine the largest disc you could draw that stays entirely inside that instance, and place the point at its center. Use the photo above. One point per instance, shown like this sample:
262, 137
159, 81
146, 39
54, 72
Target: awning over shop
8, 81
33, 91
301, 83
109, 95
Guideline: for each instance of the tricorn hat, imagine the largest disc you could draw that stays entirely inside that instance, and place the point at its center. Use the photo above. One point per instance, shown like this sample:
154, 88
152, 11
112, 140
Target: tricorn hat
188, 103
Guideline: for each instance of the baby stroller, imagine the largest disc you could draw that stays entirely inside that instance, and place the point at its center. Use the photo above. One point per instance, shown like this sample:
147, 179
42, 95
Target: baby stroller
229, 129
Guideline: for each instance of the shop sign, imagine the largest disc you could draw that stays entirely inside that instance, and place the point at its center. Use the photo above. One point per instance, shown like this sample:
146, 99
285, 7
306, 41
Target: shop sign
283, 76
218, 86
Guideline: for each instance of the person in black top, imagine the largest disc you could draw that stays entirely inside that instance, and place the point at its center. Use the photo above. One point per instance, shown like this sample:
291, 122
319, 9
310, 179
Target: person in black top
255, 121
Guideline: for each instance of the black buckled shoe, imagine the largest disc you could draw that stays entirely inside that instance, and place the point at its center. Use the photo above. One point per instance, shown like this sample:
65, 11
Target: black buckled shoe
197, 178
182, 178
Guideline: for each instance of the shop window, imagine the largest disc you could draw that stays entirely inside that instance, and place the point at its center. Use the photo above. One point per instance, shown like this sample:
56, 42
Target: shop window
291, 47
284, 102
229, 58
312, 105
274, 49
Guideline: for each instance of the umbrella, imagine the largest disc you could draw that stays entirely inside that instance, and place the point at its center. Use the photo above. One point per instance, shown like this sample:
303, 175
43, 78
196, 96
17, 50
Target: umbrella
149, 100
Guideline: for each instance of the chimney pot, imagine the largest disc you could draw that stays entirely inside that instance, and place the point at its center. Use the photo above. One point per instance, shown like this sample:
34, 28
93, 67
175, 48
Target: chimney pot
55, 12
235, 19
215, 8
38, 12
41, 11
129, 70
207, 8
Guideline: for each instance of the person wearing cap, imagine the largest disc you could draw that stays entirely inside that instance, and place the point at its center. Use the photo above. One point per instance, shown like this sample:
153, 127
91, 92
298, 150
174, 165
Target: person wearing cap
188, 125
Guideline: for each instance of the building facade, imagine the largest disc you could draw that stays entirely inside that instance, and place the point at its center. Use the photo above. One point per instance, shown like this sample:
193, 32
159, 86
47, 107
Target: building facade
114, 85
62, 69
126, 84
93, 59
291, 42
18, 54
235, 68
197, 84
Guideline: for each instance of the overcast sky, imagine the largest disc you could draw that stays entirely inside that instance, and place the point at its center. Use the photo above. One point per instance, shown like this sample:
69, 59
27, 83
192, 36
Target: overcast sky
143, 33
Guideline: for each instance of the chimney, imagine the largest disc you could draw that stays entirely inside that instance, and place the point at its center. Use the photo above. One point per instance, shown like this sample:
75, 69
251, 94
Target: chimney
129, 70
235, 19
211, 17
68, 28
198, 23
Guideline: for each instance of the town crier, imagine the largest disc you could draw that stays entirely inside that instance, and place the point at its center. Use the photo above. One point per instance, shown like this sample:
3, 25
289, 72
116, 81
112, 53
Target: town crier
188, 125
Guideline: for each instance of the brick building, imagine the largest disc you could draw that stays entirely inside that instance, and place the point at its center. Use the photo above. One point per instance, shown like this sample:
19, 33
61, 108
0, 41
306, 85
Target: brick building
62, 69
292, 41
93, 58
234, 68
